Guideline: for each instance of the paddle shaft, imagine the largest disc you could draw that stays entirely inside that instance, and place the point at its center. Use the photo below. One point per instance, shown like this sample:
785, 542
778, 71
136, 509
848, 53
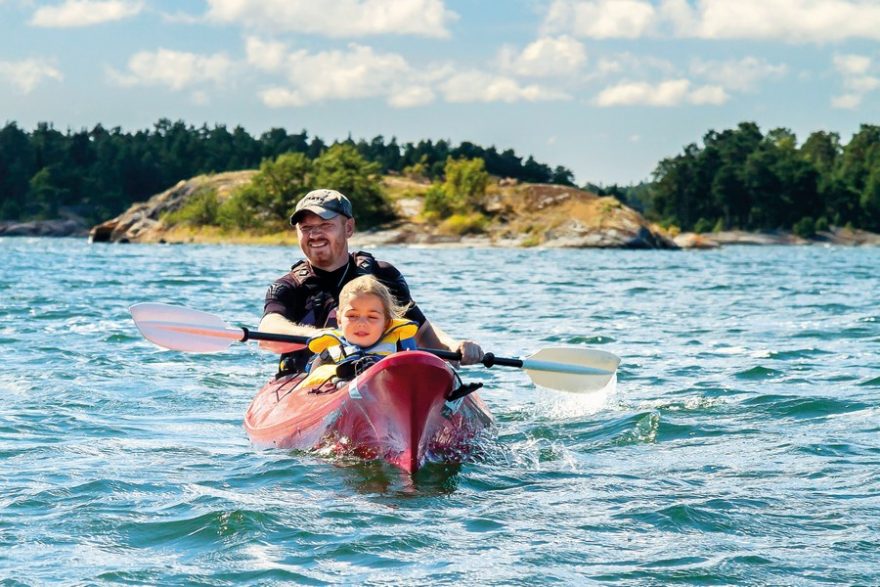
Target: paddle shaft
488, 360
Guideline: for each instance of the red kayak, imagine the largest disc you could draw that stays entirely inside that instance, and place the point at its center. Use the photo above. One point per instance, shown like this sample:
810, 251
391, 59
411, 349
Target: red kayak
396, 410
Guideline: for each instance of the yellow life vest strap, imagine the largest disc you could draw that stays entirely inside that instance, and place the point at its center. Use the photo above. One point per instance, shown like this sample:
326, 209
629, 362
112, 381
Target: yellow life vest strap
333, 339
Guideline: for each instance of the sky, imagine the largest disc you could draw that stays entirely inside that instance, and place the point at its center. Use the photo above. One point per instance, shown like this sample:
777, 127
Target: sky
606, 88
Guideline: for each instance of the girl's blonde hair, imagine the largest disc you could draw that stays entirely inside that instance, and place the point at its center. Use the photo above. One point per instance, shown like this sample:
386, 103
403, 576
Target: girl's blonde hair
367, 284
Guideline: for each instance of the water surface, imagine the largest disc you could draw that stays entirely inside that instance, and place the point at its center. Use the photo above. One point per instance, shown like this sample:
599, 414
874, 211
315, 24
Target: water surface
740, 446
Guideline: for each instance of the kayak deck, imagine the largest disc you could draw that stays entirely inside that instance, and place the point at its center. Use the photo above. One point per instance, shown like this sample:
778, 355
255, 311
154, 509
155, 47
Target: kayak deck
396, 411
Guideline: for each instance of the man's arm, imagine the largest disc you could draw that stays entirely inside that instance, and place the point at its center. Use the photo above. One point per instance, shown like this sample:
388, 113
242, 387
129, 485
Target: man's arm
430, 336
278, 324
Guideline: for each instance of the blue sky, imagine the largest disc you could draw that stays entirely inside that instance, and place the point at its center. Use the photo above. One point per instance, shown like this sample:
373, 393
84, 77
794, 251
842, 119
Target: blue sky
605, 87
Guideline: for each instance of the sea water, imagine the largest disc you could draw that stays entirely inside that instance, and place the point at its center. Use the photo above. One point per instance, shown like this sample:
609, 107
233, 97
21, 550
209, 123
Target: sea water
741, 444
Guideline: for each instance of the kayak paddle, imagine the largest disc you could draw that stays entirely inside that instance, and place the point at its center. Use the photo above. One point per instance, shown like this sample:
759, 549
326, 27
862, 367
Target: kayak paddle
183, 329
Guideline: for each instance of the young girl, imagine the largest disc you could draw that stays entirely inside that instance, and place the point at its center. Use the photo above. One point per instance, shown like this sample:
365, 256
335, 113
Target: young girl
371, 326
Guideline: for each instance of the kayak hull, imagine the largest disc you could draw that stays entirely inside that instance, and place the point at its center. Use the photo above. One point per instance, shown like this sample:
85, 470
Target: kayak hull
396, 411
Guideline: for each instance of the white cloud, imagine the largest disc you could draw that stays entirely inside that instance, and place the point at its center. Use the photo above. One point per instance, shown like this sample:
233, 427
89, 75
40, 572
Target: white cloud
175, 70
27, 74
740, 75
78, 13
708, 95
337, 18
265, 55
600, 19
358, 72
862, 84
668, 93
478, 86
846, 101
852, 64
634, 65
679, 15
548, 56
790, 20
411, 96
664, 94
857, 80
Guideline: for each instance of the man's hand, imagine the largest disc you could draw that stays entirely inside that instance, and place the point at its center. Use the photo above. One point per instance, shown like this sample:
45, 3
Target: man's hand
471, 353
432, 337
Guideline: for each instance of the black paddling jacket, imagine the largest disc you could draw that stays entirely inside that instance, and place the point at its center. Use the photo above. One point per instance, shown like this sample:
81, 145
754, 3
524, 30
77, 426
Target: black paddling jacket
311, 297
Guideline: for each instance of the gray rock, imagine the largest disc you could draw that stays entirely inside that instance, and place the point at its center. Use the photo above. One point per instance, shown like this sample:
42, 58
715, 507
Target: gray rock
55, 228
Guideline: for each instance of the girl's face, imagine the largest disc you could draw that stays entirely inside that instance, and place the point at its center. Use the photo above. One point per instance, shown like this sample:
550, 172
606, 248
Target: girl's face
363, 320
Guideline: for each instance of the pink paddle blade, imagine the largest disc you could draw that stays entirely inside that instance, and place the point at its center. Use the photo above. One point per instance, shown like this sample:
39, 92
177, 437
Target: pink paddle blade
183, 329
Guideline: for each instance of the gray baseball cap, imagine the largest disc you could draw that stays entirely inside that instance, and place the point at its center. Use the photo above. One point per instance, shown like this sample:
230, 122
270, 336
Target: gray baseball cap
325, 203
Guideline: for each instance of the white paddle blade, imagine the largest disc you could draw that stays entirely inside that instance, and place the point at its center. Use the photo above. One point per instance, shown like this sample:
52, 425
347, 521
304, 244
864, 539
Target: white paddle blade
182, 329
572, 369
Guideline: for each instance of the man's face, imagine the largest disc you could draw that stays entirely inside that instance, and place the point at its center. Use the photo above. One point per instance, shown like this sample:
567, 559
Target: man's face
325, 242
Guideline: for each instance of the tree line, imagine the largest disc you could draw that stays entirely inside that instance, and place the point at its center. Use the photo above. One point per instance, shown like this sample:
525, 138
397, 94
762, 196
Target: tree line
738, 179
743, 179
98, 173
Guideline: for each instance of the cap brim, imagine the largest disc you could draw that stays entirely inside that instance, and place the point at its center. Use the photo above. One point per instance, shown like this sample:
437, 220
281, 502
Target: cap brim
322, 212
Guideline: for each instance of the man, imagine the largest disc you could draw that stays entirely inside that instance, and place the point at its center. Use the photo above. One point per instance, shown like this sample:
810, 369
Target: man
305, 300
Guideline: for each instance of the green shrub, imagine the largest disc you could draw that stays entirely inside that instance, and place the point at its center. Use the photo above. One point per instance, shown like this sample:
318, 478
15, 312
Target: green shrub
703, 225
436, 204
200, 209
465, 183
607, 205
822, 224
719, 226
805, 227
417, 171
531, 240
463, 191
462, 224
241, 211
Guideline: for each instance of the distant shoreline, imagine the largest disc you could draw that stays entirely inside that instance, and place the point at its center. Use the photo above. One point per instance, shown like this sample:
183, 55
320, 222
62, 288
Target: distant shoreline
66, 228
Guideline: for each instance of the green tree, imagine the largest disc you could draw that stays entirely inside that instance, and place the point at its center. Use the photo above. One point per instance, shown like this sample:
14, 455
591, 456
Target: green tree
342, 168
870, 200
16, 168
463, 191
465, 184
45, 194
265, 204
282, 182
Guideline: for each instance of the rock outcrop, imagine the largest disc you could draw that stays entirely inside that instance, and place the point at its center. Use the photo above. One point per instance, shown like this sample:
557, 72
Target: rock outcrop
142, 222
835, 235
60, 227
567, 217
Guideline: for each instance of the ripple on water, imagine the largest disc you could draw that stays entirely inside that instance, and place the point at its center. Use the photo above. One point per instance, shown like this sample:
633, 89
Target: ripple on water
728, 516
589, 340
795, 354
783, 406
201, 530
759, 372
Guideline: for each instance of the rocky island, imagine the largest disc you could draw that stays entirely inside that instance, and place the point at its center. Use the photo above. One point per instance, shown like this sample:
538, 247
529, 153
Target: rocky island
517, 214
